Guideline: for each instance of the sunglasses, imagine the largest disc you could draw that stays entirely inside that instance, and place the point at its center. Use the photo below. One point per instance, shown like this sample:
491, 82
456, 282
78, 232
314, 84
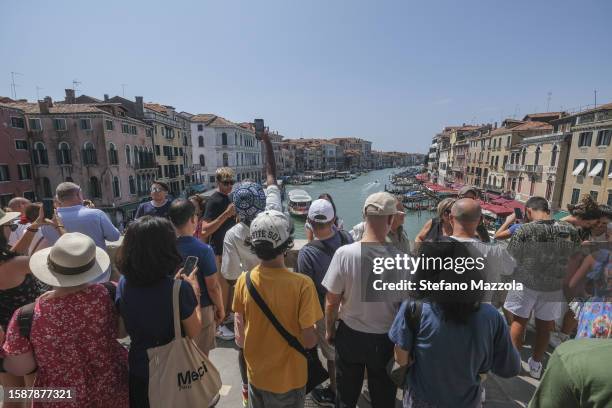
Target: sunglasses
157, 190
228, 183
13, 227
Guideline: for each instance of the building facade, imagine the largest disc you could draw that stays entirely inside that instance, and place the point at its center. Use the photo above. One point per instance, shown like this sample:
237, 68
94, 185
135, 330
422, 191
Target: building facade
589, 168
16, 176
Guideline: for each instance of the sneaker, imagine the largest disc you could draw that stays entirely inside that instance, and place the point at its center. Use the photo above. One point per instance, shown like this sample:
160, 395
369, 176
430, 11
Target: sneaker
535, 368
323, 397
245, 395
556, 338
224, 333
214, 401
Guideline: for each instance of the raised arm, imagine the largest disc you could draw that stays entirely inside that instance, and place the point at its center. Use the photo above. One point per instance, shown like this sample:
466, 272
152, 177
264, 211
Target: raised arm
270, 162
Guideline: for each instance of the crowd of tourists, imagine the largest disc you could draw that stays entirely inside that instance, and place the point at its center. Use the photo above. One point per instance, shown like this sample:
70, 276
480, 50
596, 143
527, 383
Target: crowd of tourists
63, 309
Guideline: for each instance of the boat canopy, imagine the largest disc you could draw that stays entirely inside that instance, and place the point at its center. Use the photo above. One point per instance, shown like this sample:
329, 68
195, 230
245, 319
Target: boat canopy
298, 196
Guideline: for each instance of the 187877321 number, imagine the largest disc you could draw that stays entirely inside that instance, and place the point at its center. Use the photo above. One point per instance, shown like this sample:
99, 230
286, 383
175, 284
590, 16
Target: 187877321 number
14, 394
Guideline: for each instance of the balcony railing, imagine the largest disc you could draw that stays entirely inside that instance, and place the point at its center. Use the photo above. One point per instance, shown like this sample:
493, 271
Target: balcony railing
533, 168
513, 167
550, 169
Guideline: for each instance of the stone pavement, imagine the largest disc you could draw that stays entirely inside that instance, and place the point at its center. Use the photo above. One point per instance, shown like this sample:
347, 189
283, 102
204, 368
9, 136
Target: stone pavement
500, 392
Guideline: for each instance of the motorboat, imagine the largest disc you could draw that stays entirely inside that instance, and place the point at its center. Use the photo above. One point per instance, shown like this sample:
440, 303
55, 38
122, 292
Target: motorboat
299, 202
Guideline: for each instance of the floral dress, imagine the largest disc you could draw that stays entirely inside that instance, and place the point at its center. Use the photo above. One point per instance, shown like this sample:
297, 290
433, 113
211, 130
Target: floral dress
595, 318
73, 338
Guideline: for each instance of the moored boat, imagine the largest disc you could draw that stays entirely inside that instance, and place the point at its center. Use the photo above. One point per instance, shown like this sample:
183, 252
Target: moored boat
299, 202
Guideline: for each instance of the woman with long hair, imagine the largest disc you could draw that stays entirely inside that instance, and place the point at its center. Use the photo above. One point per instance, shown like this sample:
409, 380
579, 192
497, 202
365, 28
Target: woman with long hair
453, 336
198, 202
148, 260
584, 216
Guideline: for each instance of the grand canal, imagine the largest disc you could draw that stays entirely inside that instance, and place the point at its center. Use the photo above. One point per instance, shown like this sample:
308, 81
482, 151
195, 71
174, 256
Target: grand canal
349, 197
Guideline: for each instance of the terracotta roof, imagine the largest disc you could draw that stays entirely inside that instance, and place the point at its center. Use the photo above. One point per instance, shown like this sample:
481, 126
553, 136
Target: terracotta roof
533, 125
543, 115
214, 121
156, 107
57, 108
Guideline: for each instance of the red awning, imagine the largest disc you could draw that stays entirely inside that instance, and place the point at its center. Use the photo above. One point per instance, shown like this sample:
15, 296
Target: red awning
499, 210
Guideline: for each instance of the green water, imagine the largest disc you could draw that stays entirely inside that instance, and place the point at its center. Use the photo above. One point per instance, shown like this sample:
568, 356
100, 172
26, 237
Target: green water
349, 197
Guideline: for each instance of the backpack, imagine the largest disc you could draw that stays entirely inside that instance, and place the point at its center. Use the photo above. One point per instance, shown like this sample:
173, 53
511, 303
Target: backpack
26, 312
322, 246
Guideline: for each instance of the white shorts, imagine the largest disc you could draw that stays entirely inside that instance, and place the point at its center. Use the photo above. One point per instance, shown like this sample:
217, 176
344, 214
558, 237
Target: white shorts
546, 306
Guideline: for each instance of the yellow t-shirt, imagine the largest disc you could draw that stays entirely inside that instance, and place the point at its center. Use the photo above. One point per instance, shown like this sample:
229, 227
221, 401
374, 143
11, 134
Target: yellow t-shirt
272, 364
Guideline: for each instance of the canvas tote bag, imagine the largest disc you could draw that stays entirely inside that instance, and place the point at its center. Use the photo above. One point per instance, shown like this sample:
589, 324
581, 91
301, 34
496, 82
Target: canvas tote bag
180, 374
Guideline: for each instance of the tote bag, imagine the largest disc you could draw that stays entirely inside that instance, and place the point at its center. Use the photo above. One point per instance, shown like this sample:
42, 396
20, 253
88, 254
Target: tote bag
180, 374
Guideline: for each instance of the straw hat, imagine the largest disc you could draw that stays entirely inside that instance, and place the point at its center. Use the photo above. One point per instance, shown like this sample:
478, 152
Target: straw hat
6, 217
72, 261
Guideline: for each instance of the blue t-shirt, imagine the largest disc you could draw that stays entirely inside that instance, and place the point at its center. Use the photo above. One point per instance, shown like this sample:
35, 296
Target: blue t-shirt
149, 319
191, 246
314, 262
514, 227
147, 208
449, 357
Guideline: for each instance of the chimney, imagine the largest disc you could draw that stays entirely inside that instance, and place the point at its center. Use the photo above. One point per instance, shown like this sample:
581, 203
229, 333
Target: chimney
105, 97
70, 96
495, 125
45, 104
48, 101
139, 106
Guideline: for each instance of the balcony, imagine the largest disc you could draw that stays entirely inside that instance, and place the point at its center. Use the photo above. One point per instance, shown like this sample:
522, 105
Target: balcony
533, 168
145, 165
171, 158
550, 169
513, 167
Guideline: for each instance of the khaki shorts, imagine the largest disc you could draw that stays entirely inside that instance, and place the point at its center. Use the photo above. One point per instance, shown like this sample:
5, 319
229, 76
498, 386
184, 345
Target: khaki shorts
329, 352
206, 339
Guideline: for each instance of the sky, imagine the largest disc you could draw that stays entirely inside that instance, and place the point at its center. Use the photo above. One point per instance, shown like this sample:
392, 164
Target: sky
393, 72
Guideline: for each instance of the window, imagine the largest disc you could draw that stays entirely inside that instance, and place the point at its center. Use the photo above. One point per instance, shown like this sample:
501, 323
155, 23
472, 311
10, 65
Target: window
17, 122
59, 124
610, 198
584, 139
5, 175
34, 124
604, 137
116, 189
181, 170
94, 188
128, 155
549, 187
225, 160
200, 141
224, 139
85, 124
21, 144
523, 156
132, 185
532, 187
133, 130
594, 195
109, 125
46, 185
211, 179
200, 128
29, 195
25, 171
180, 151
39, 154
63, 154
575, 195
113, 156
536, 160
157, 150
202, 160
89, 154
125, 128
176, 151
553, 157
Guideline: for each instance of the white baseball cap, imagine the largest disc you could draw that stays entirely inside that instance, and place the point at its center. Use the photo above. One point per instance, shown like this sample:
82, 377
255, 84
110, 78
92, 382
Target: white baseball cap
271, 226
381, 203
321, 211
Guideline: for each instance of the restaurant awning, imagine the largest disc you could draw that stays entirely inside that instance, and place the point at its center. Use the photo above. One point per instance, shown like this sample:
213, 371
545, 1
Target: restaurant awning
596, 169
579, 168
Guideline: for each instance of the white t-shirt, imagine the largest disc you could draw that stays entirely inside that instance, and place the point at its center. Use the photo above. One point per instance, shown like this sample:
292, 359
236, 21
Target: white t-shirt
344, 277
16, 235
237, 256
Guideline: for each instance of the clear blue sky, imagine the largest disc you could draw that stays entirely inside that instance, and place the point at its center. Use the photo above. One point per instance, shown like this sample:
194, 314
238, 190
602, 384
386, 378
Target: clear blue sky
393, 72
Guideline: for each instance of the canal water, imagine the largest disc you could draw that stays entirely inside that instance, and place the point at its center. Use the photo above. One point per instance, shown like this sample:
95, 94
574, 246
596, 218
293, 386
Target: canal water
349, 197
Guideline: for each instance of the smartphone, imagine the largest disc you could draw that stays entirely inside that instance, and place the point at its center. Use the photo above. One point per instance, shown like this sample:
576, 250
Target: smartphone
48, 207
190, 264
518, 214
259, 128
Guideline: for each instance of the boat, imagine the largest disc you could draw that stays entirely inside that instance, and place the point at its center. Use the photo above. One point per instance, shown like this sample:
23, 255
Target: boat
299, 202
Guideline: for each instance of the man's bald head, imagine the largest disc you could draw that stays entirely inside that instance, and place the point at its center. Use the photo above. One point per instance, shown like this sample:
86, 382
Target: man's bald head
466, 210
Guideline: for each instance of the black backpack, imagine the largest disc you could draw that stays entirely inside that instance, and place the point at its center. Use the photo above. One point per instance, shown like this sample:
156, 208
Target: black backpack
329, 251
26, 312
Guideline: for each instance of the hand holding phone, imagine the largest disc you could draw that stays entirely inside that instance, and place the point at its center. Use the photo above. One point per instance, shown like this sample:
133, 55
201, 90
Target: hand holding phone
48, 208
190, 264
518, 214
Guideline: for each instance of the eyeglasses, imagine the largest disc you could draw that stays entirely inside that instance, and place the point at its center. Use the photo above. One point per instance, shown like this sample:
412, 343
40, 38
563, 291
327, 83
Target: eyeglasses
156, 190
12, 226
228, 183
